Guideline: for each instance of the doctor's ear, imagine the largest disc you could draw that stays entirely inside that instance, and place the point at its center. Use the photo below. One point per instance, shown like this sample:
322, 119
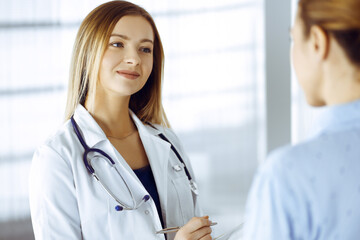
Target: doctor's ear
320, 42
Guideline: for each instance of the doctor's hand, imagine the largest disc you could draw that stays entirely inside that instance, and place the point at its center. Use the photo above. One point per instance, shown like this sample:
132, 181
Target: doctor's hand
198, 228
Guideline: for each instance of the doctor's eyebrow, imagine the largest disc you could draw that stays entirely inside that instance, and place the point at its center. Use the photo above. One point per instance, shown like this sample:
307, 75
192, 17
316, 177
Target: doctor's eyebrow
127, 38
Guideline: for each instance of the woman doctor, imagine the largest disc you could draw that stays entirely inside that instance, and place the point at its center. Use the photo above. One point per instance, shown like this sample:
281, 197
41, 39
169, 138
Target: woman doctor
115, 125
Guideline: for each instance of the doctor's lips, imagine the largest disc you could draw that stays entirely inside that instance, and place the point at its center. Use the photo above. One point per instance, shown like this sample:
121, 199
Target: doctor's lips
128, 74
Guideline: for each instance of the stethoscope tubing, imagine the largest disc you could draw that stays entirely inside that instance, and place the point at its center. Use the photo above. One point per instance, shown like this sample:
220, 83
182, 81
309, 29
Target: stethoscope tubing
192, 183
162, 136
121, 206
91, 170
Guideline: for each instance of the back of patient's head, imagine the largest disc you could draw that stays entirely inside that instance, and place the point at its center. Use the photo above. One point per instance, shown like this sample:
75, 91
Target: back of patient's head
339, 18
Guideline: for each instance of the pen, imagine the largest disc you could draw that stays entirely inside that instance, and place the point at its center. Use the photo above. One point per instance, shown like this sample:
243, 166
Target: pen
175, 229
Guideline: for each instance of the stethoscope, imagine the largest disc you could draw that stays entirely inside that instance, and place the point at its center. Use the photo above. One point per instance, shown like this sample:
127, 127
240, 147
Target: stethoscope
123, 206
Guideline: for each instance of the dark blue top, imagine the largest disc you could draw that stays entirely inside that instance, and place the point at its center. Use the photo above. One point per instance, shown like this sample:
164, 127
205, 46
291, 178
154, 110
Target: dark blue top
146, 177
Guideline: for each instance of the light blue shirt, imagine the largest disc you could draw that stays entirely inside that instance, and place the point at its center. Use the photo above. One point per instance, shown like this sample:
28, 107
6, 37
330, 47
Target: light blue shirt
311, 190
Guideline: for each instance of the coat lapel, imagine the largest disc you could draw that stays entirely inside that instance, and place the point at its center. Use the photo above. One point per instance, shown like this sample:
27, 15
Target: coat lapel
158, 153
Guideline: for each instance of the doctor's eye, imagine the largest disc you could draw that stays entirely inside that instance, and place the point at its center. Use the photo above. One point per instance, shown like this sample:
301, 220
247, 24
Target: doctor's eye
117, 44
145, 50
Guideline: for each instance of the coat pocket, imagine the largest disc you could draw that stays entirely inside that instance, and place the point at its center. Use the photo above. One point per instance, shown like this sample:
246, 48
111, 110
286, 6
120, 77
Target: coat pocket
185, 198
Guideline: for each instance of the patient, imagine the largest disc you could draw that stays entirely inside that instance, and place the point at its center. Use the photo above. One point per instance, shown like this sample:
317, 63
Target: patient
312, 190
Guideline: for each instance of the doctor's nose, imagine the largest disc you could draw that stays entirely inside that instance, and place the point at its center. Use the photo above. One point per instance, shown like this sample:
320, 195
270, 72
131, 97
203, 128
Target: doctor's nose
132, 58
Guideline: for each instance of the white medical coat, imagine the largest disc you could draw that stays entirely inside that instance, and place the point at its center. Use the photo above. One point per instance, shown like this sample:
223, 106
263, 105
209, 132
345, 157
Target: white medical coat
66, 202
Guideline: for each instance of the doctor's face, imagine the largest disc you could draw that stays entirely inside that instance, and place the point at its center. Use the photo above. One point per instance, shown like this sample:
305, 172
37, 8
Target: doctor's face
128, 59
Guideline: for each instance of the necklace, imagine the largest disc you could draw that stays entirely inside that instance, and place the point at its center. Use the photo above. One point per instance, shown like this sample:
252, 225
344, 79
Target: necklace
122, 138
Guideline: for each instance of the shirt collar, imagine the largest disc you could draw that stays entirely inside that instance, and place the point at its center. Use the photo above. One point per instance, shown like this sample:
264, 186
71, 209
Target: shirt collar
337, 116
92, 132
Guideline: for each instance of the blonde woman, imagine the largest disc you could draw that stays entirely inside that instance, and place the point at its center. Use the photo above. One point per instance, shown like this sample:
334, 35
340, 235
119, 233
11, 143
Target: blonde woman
312, 190
115, 170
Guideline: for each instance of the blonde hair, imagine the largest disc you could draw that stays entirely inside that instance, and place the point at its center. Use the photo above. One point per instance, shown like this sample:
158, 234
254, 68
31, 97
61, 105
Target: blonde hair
339, 18
89, 48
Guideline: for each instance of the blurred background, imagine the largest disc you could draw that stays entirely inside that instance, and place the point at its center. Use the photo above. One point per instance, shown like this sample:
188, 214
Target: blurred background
229, 92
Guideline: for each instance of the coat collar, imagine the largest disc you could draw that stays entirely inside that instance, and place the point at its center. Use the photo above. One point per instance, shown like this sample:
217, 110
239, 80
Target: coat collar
88, 127
93, 134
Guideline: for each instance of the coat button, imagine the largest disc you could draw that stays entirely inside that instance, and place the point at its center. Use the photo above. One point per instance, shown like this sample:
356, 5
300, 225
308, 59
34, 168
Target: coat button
147, 212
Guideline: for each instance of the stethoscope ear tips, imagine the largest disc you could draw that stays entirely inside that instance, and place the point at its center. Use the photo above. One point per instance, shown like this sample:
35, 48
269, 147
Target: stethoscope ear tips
118, 208
146, 197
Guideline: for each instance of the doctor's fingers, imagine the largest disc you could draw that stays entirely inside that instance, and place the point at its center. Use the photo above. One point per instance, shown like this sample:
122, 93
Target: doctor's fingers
202, 234
196, 228
197, 223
